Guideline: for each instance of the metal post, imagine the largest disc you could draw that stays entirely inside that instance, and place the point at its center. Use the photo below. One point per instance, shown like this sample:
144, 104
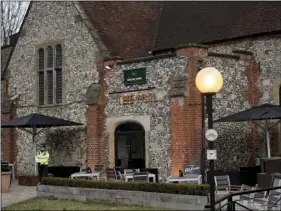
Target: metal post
34, 143
211, 146
267, 139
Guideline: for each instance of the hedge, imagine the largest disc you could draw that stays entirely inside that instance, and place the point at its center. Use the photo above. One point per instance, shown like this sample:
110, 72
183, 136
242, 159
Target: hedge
175, 188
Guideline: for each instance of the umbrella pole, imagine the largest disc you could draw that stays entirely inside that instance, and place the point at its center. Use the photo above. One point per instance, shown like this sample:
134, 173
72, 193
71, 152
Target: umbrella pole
268, 140
33, 140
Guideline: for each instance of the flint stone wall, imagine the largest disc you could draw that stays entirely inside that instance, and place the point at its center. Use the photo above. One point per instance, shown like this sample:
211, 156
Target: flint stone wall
232, 142
131, 198
159, 72
54, 21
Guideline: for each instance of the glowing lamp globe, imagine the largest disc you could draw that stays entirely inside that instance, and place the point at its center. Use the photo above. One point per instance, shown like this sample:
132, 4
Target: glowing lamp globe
209, 80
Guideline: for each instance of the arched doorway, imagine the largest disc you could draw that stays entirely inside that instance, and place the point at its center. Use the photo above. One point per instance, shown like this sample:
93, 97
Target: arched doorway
130, 145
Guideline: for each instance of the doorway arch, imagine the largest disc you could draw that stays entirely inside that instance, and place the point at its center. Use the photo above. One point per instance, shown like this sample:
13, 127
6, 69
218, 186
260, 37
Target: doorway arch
130, 145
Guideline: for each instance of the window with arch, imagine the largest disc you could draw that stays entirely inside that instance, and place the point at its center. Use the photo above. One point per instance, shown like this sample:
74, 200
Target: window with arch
50, 75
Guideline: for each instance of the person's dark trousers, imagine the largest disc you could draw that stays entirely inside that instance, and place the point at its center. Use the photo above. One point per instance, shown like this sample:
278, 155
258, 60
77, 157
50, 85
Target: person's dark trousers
45, 170
42, 171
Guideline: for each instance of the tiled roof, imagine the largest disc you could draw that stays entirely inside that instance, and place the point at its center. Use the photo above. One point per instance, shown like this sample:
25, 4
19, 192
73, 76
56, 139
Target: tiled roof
126, 28
131, 29
204, 22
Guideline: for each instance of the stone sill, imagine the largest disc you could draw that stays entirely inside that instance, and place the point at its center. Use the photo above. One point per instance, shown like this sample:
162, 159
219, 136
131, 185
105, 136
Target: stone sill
123, 197
51, 106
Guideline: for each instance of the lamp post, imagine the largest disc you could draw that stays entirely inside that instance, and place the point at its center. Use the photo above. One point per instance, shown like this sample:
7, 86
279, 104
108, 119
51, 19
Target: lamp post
209, 81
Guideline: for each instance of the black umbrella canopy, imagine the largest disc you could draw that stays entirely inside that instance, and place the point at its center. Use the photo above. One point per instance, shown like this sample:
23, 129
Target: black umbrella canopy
261, 112
38, 121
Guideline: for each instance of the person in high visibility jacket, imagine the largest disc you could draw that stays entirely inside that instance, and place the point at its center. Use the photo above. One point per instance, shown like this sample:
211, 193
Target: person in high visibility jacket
42, 160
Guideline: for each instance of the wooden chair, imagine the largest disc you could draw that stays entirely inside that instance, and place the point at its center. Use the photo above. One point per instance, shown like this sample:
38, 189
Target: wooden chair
140, 177
223, 183
110, 174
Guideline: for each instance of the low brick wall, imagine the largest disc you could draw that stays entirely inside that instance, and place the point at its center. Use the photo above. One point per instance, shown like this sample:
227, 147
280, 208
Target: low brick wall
132, 198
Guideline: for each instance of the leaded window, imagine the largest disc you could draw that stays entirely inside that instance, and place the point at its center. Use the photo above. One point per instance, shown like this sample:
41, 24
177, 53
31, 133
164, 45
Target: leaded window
50, 75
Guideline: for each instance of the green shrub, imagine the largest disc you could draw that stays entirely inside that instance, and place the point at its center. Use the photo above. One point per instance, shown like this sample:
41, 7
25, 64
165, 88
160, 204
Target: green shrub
189, 189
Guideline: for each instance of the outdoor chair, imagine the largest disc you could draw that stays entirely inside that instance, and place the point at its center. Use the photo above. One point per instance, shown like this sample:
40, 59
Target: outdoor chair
140, 177
119, 175
273, 201
101, 170
223, 183
245, 199
276, 180
110, 174
258, 201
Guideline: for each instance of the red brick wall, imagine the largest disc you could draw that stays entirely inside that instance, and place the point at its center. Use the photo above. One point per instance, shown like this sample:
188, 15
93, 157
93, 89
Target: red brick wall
186, 117
96, 132
253, 95
8, 141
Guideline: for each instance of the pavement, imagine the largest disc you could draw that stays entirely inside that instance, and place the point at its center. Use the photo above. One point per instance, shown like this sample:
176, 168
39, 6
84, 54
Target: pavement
18, 194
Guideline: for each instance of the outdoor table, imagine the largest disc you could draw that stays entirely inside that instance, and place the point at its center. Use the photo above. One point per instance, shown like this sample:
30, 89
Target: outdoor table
85, 175
131, 176
197, 179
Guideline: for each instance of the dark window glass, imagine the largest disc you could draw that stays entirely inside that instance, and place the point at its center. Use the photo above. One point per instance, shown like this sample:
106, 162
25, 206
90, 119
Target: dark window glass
280, 95
41, 60
50, 87
58, 56
50, 57
58, 85
41, 88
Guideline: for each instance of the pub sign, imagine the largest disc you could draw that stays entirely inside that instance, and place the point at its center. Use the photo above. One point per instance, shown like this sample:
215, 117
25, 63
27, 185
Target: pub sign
135, 76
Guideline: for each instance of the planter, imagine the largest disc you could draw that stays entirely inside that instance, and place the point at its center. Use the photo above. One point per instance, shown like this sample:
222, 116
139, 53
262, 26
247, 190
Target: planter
28, 180
5, 182
123, 197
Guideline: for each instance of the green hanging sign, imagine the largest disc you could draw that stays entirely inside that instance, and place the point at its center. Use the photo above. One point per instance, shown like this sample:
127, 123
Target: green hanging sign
135, 76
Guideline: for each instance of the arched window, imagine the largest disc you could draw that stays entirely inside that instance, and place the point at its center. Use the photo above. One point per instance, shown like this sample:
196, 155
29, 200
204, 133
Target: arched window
41, 77
50, 72
58, 74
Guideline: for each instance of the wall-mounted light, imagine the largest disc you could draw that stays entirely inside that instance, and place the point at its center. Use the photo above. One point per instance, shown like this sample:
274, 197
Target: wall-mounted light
108, 66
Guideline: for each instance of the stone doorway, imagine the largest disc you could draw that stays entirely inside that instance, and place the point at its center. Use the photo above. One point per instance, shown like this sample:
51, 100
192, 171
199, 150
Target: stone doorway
130, 145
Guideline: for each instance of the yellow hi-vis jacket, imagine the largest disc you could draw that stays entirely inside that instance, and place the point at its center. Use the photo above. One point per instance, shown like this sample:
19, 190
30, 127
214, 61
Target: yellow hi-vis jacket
42, 158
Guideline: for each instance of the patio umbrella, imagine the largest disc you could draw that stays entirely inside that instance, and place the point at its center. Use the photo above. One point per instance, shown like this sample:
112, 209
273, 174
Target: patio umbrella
35, 121
262, 112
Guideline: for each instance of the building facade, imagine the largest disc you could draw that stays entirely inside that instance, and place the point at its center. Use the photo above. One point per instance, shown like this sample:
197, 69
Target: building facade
139, 110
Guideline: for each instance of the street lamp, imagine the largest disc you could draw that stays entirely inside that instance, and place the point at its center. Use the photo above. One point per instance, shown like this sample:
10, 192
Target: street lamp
209, 81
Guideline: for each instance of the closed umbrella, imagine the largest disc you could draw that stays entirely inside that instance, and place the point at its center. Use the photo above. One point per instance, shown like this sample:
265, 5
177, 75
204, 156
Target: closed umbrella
262, 112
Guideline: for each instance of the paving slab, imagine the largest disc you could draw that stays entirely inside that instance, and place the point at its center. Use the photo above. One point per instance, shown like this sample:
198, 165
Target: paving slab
18, 194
